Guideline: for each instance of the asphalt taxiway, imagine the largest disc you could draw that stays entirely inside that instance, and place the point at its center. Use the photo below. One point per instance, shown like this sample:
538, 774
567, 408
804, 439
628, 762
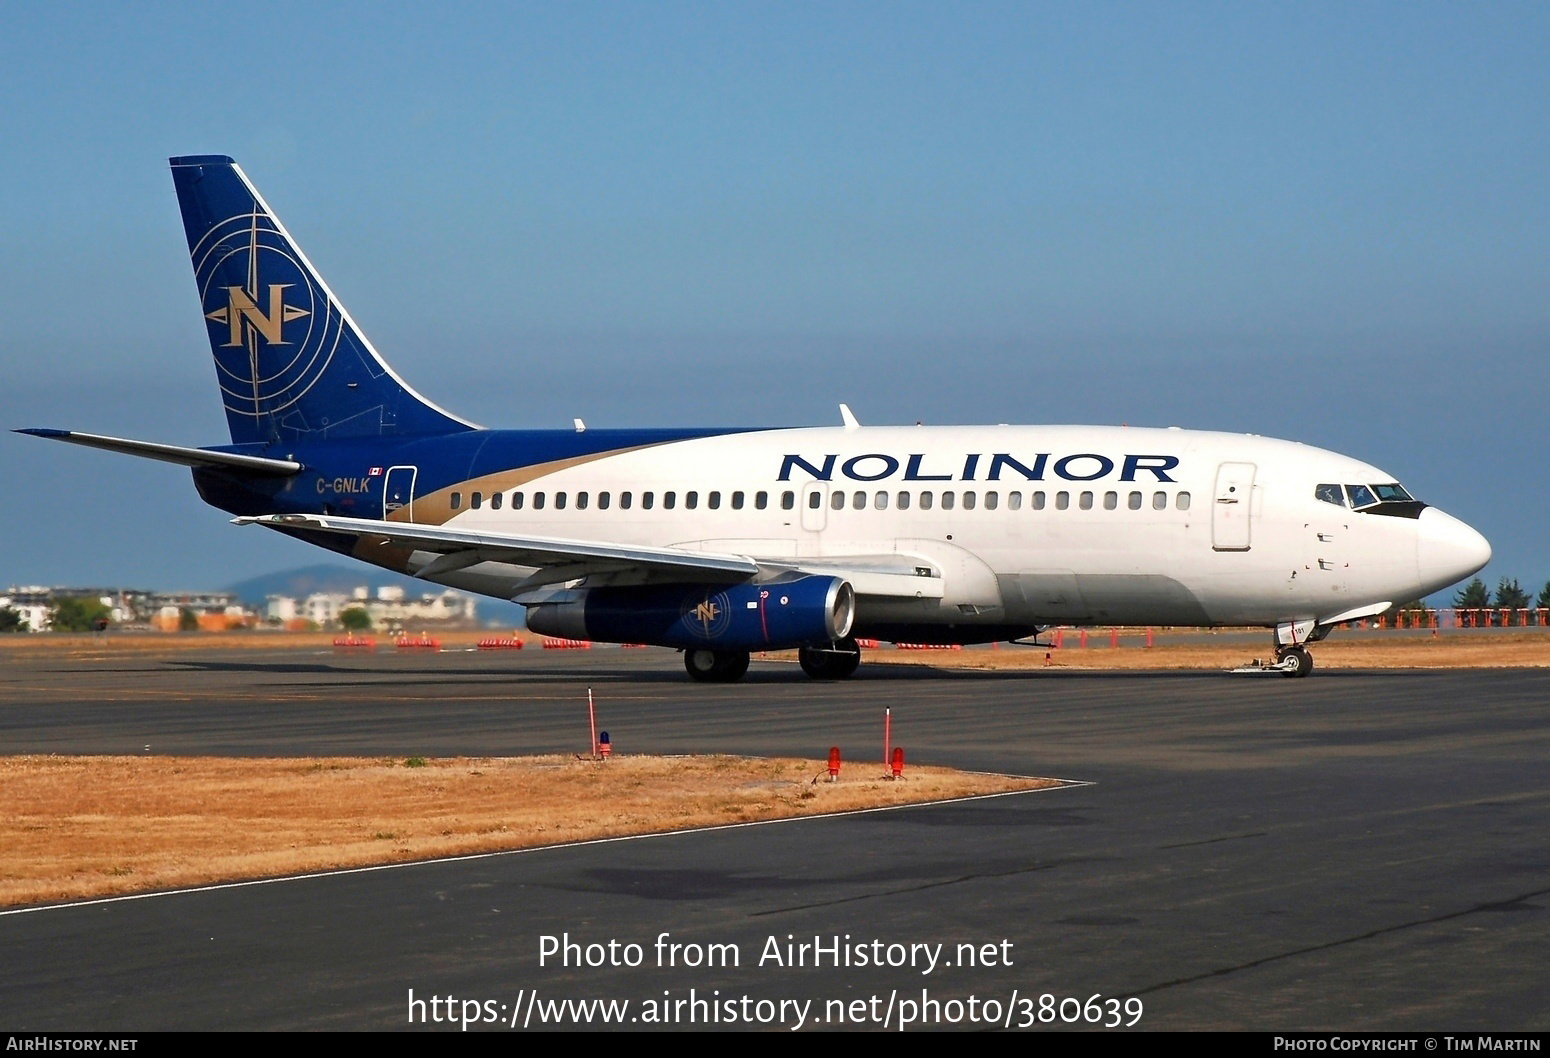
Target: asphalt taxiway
1354, 850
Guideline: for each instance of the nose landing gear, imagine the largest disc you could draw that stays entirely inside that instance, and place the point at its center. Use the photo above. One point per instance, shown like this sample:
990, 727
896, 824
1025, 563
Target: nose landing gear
1294, 661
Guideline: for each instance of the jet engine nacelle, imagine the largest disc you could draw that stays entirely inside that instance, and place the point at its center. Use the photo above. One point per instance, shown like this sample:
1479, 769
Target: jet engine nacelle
775, 615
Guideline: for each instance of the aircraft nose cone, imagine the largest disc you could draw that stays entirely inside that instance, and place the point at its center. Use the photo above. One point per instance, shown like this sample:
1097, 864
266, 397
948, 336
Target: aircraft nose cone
1447, 550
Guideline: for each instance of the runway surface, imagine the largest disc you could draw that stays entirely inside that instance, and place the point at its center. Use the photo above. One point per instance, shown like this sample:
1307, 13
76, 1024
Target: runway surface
1354, 850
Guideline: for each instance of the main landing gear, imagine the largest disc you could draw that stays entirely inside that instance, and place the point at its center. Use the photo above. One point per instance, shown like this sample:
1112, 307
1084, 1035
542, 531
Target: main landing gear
837, 661
716, 666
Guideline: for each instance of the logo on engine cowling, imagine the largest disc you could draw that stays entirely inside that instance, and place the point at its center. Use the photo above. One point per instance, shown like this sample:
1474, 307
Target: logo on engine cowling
706, 616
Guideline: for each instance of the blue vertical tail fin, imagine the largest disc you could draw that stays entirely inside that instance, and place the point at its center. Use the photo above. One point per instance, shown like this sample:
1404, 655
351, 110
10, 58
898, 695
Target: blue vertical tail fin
291, 363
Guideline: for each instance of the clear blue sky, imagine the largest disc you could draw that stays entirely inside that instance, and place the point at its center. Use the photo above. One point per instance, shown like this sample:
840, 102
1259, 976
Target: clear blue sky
1323, 222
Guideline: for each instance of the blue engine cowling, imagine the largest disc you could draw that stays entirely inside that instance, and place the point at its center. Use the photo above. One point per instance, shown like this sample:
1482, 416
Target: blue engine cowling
772, 616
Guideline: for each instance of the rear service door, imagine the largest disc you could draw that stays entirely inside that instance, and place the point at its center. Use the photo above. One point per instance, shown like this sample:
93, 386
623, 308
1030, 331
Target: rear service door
398, 493
1233, 510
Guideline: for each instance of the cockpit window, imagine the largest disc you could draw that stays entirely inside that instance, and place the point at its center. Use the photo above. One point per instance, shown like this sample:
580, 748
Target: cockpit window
1330, 494
1392, 491
1361, 496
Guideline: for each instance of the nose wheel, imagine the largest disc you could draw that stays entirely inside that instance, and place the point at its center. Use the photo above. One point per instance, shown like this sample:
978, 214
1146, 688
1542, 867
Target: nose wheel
1294, 661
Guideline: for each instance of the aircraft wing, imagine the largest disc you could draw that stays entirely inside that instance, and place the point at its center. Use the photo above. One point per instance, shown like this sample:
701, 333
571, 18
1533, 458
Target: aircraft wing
559, 560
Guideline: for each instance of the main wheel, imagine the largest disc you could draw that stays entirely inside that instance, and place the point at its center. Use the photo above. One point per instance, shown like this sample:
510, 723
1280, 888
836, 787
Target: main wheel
1302, 661
715, 666
837, 661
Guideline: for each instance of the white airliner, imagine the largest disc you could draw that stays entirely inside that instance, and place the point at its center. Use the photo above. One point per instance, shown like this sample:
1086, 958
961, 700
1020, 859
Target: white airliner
722, 542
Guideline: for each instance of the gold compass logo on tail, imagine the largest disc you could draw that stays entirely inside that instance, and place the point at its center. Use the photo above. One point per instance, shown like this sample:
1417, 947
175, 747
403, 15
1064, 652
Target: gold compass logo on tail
240, 307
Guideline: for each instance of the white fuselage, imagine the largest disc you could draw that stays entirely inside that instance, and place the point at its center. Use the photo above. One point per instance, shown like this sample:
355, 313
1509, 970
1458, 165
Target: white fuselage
1071, 525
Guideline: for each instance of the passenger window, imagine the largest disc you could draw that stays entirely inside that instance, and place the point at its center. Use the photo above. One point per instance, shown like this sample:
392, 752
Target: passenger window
669, 500
1330, 494
992, 501
925, 501
1086, 501
457, 500
968, 501
880, 501
947, 501
538, 501
691, 501
1182, 503
788, 500
1014, 501
858, 501
495, 500
581, 501
1159, 501
761, 500
475, 501
516, 501
1110, 501
602, 501
837, 501
903, 500
624, 501
1062, 500
559, 501
737, 501
813, 500
713, 501
1038, 501
648, 500
1135, 501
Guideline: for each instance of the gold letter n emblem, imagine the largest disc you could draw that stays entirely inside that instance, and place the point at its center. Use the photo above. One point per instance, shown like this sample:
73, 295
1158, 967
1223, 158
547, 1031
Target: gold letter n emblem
240, 307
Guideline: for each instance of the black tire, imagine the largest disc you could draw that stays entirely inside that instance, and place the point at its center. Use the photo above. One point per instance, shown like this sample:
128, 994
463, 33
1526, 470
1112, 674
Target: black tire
701, 665
1303, 659
734, 665
835, 662
715, 666
814, 662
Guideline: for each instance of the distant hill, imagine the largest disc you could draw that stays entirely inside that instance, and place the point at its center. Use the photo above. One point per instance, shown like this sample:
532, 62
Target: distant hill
305, 580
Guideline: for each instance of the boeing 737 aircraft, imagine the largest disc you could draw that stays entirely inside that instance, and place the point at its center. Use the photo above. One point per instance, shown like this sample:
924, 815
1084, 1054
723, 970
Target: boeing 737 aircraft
724, 541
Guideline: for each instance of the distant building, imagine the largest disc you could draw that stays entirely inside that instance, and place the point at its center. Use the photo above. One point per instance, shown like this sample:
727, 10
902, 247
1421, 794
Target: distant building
391, 607
32, 603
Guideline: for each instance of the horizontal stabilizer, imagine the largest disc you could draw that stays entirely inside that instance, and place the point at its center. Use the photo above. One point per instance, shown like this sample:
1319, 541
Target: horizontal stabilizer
188, 457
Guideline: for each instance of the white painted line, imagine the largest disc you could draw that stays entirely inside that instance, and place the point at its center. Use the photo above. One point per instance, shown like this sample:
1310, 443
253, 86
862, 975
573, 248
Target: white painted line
1064, 784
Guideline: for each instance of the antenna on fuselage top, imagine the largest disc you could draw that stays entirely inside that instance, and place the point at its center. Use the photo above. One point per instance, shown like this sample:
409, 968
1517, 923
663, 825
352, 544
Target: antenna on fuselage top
848, 417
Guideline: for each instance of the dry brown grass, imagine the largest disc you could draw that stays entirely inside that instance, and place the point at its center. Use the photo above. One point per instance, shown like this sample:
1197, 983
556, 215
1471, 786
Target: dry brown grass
75, 827
1495, 650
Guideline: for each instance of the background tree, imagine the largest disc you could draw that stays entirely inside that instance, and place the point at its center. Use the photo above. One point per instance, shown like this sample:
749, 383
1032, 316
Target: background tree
188, 620
11, 621
355, 619
1510, 594
1543, 602
1473, 596
77, 615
